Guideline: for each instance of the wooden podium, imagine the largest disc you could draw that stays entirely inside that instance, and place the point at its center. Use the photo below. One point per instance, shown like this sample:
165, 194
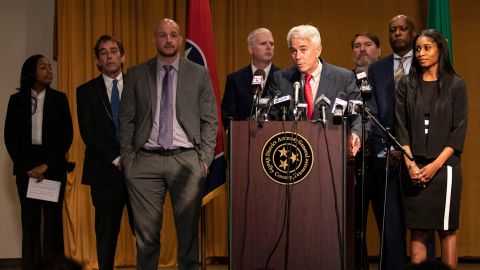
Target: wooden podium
290, 226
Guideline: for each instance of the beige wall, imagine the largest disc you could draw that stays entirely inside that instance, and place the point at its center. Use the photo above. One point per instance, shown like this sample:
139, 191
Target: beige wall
26, 28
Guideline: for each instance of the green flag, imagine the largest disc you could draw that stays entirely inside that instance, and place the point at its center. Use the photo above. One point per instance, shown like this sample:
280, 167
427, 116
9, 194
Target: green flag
439, 19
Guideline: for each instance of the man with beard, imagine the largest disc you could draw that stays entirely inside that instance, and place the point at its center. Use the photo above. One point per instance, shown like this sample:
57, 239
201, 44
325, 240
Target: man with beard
383, 76
238, 98
365, 50
168, 129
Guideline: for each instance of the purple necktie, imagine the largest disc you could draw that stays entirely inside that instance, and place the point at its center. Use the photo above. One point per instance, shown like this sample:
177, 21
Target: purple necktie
165, 118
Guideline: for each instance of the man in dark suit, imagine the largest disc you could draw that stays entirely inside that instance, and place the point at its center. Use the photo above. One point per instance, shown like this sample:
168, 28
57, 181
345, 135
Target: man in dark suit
102, 169
321, 78
168, 129
365, 51
238, 97
382, 102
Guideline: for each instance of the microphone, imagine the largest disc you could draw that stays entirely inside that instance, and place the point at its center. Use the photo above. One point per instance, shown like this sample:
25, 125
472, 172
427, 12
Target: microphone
271, 101
296, 87
257, 87
281, 100
362, 80
324, 103
354, 107
338, 108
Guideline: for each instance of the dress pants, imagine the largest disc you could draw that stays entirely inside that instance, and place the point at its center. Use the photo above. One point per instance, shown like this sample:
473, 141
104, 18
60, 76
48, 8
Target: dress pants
149, 178
394, 251
109, 202
34, 249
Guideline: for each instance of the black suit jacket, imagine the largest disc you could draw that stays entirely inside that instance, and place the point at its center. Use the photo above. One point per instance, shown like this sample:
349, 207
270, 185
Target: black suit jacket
333, 81
447, 121
381, 101
238, 96
98, 133
57, 134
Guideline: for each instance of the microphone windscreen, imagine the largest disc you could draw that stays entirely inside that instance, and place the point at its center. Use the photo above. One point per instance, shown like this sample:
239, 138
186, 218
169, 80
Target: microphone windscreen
259, 72
342, 95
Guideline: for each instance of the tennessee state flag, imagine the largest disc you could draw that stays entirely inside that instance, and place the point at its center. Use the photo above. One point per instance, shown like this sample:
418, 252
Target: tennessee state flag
199, 48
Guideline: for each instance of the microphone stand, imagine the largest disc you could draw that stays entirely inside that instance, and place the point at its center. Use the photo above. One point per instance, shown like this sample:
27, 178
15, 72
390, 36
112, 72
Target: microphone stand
387, 132
344, 189
391, 140
362, 191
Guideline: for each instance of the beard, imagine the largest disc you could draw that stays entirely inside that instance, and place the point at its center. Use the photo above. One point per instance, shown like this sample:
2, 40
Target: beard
361, 62
167, 54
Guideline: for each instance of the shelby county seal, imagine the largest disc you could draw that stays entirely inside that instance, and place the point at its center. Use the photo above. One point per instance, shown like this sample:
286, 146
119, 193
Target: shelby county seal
287, 158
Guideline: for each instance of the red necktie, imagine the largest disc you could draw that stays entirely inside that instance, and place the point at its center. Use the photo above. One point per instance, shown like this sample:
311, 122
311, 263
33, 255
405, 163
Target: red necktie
308, 96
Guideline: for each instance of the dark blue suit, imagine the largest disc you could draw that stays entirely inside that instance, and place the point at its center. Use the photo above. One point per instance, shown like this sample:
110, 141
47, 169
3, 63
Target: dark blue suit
107, 184
238, 96
382, 103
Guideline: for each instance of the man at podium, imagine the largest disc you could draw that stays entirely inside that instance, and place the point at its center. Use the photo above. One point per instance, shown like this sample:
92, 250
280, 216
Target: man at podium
315, 85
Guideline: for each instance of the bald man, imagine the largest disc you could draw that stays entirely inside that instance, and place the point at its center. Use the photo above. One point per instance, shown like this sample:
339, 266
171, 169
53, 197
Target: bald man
168, 128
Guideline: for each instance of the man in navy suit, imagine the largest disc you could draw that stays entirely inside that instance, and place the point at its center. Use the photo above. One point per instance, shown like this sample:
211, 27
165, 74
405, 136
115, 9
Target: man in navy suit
102, 168
321, 78
238, 96
382, 102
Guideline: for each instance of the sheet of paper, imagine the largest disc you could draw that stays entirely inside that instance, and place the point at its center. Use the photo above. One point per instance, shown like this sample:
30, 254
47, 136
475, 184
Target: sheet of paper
46, 190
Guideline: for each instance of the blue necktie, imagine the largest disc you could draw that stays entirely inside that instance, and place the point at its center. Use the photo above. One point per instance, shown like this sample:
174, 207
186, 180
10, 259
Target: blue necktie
165, 117
115, 103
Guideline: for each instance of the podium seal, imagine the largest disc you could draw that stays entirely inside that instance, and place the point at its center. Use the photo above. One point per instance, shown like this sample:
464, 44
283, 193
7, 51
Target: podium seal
287, 158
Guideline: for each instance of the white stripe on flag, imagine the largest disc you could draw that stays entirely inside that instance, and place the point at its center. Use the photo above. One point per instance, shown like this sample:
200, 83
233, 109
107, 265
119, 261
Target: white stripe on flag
446, 216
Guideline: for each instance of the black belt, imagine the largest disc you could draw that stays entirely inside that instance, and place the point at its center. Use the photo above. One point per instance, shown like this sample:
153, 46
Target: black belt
167, 152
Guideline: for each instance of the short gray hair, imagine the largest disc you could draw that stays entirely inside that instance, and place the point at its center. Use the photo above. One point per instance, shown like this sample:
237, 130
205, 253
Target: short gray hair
253, 35
305, 31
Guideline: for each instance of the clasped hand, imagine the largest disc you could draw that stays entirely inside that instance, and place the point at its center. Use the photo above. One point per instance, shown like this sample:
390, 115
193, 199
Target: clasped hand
421, 176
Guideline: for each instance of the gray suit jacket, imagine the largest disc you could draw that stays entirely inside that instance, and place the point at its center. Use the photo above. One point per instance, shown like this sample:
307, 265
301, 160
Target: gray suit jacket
196, 108
334, 82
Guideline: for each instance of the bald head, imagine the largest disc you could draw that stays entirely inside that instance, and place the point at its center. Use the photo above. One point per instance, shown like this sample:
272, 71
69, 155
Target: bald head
408, 20
164, 22
401, 30
167, 39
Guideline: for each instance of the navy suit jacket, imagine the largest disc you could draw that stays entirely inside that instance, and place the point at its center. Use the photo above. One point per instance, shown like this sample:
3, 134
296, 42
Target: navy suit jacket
381, 101
238, 96
98, 133
333, 81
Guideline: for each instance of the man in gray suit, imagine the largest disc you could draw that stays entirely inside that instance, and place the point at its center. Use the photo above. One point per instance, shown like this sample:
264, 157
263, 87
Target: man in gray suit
318, 77
168, 128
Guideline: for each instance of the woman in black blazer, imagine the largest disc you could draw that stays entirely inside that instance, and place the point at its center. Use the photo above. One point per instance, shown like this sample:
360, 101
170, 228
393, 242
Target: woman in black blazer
38, 134
431, 112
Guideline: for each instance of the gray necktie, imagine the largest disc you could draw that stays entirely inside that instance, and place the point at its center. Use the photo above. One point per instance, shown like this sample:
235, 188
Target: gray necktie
165, 117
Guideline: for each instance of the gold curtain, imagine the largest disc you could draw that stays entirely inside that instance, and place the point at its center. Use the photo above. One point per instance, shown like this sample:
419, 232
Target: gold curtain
81, 22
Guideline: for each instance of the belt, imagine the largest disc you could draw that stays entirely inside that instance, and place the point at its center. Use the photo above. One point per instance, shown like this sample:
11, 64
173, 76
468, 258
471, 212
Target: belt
167, 152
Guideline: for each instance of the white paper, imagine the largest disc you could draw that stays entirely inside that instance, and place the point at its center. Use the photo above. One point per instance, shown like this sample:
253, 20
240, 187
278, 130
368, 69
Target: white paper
46, 190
